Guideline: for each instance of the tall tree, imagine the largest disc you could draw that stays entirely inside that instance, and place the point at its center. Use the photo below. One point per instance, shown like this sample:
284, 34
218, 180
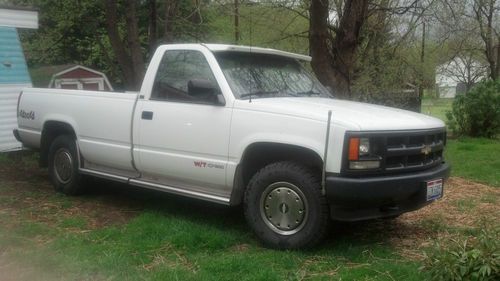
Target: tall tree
153, 26
486, 14
333, 57
171, 7
129, 55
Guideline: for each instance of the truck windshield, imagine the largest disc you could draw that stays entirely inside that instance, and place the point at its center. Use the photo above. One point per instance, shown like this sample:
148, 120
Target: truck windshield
253, 75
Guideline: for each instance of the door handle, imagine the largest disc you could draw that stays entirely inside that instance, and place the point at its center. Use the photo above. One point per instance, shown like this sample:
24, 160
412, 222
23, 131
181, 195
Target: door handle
147, 115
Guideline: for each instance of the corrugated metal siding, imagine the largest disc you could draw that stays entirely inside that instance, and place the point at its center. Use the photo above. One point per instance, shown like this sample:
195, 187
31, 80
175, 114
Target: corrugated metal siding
8, 115
18, 18
12, 80
13, 68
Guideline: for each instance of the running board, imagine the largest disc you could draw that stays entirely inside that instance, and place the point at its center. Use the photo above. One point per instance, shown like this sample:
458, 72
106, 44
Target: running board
104, 175
179, 191
158, 187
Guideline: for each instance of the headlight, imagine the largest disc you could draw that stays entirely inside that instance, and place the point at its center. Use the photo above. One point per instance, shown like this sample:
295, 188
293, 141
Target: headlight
360, 155
364, 146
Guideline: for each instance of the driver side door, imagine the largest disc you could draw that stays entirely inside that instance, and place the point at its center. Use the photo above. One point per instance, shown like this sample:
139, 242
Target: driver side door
183, 137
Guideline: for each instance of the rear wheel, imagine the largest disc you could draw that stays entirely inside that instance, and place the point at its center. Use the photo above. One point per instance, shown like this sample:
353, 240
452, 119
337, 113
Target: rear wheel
285, 208
63, 165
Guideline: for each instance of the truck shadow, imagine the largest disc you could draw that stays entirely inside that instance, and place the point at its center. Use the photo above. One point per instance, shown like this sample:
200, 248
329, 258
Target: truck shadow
372, 232
112, 204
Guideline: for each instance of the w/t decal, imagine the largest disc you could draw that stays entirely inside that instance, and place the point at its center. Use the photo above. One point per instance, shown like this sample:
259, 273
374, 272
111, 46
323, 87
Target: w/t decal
201, 164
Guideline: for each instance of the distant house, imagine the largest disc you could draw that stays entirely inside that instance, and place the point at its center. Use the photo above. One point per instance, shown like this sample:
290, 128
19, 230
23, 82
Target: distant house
458, 75
14, 74
81, 78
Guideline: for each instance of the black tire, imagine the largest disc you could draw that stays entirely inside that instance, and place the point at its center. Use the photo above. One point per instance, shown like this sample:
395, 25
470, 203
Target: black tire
391, 218
63, 166
296, 182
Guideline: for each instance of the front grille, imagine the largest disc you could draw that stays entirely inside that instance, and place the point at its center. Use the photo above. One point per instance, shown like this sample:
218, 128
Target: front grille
414, 151
400, 151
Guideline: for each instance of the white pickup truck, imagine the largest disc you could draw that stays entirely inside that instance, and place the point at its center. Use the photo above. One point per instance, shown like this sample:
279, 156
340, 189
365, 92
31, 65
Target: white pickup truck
242, 125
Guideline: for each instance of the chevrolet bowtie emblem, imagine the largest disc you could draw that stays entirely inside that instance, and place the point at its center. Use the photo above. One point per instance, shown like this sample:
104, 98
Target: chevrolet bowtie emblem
426, 150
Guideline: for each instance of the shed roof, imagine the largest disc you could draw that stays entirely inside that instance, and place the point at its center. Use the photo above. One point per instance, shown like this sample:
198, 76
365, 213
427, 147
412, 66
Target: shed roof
61, 73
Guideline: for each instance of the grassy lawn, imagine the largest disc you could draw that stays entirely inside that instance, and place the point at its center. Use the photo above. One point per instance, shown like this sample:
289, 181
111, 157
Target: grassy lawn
436, 107
115, 232
471, 158
120, 233
476, 159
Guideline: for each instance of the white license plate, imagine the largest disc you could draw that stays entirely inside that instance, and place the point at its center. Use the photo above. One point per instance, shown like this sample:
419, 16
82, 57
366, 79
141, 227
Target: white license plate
434, 189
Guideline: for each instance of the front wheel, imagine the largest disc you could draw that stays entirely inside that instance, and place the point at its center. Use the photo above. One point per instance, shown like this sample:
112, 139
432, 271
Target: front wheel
63, 166
284, 206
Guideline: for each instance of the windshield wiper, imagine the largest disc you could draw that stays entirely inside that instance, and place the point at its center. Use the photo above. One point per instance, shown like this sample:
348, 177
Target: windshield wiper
258, 93
308, 93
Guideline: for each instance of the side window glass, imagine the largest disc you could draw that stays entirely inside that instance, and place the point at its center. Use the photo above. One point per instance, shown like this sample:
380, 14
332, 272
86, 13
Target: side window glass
177, 68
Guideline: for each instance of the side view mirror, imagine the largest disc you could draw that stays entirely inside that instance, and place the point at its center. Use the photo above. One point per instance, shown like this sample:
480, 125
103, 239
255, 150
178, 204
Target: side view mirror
203, 89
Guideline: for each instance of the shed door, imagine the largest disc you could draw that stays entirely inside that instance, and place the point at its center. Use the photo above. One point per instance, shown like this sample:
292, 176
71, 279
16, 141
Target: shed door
71, 86
91, 86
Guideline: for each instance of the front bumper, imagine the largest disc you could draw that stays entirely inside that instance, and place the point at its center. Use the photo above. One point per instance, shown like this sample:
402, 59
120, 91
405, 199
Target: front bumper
354, 199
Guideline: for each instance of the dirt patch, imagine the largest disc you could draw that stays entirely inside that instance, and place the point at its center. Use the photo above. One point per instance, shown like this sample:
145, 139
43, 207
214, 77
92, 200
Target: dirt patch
465, 204
26, 190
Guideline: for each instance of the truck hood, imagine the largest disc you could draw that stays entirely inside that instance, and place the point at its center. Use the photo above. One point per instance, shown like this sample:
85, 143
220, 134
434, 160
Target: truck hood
348, 114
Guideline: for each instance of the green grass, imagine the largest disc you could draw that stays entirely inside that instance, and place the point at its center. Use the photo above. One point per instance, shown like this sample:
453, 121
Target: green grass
170, 238
475, 159
164, 244
436, 107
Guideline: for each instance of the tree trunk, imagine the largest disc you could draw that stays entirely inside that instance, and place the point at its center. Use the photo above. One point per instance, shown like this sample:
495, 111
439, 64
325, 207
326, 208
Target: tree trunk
134, 43
118, 47
169, 13
484, 15
153, 27
333, 59
319, 39
422, 78
495, 61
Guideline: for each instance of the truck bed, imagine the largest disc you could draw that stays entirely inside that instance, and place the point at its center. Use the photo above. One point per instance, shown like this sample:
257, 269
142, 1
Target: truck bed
102, 121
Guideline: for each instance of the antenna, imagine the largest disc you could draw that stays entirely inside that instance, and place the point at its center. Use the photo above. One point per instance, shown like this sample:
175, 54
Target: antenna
251, 43
251, 28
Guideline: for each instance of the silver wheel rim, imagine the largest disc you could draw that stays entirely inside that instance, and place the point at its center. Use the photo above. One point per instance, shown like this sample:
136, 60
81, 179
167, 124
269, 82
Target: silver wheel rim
63, 165
283, 208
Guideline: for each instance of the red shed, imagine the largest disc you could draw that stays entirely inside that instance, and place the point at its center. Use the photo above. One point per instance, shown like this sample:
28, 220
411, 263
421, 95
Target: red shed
81, 78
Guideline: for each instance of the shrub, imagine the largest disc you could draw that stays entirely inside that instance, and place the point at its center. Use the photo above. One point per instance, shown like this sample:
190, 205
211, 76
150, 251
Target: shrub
477, 113
466, 259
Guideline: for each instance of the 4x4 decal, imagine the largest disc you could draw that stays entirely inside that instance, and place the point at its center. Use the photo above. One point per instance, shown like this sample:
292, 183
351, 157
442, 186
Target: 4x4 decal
27, 115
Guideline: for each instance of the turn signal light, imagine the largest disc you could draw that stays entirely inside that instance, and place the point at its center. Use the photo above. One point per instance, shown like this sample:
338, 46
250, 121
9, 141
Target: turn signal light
353, 149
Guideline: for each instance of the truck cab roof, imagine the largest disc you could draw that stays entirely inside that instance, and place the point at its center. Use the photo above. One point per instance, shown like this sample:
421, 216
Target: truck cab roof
248, 49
